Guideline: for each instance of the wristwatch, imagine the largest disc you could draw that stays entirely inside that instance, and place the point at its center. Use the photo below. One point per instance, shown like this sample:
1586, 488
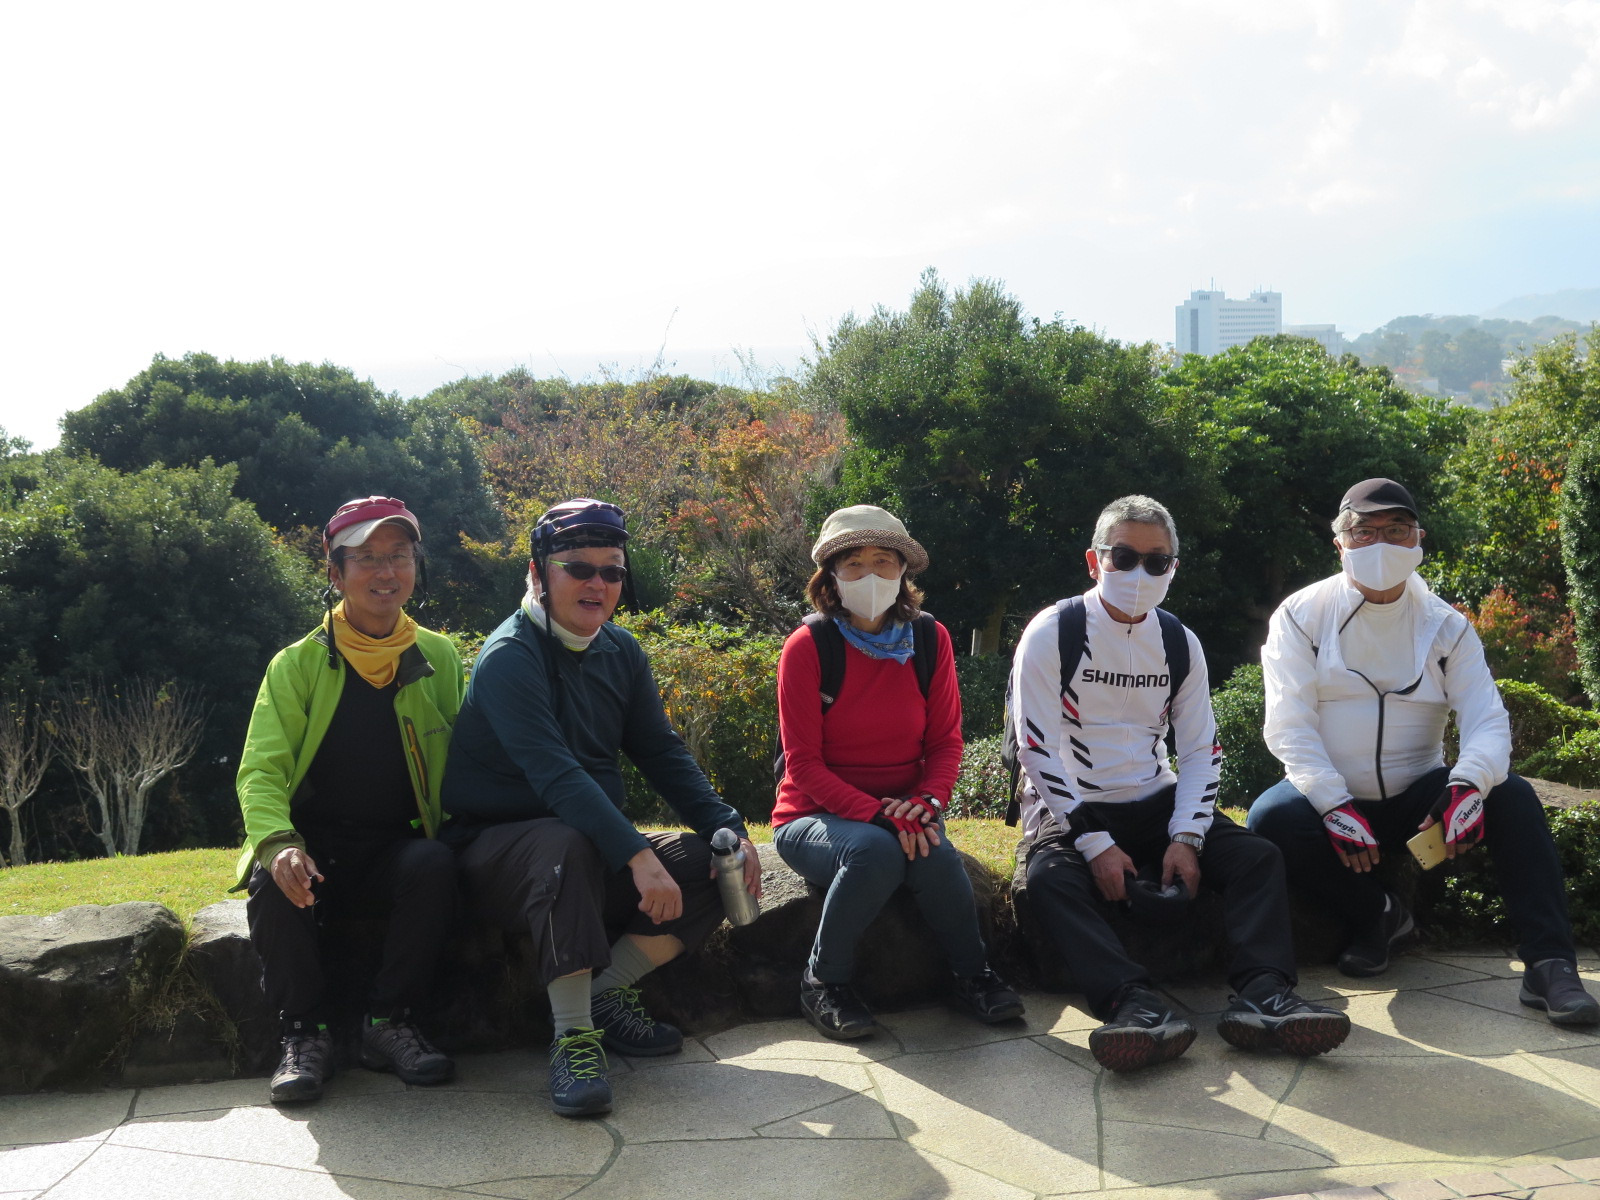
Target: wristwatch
1193, 840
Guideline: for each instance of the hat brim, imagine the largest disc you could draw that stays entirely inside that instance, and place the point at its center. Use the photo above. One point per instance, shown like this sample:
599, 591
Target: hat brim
357, 535
910, 549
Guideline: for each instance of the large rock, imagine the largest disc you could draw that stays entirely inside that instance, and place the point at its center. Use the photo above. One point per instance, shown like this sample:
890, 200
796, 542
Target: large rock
225, 965
72, 985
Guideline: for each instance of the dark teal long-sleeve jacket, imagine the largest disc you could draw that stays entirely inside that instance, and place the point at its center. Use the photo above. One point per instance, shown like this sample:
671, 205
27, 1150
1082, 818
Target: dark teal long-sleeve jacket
540, 732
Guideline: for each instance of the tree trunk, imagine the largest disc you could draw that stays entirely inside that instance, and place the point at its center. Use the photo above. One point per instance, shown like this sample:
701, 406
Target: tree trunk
19, 851
986, 640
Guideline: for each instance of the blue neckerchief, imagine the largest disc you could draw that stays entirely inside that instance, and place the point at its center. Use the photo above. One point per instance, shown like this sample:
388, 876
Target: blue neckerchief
894, 640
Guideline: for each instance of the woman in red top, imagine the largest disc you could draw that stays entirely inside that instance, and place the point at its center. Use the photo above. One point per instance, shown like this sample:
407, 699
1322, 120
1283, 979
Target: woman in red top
864, 784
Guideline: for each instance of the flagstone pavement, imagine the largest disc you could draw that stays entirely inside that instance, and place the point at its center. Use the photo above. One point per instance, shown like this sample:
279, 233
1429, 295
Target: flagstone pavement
1447, 1087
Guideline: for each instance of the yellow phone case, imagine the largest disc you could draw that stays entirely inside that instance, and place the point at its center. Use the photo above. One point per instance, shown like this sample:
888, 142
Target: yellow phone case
1428, 846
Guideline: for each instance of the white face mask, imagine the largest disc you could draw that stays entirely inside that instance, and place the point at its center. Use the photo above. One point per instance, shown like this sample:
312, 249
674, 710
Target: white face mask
868, 597
1135, 592
1381, 566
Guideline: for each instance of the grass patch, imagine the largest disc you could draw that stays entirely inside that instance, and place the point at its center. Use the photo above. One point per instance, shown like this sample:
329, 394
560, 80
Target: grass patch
184, 880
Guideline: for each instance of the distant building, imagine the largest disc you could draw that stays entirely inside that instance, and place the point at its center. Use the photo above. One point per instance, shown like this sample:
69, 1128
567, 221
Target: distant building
1208, 322
1330, 337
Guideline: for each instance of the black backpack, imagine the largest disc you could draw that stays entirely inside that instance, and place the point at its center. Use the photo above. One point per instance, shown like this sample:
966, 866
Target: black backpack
1071, 633
830, 654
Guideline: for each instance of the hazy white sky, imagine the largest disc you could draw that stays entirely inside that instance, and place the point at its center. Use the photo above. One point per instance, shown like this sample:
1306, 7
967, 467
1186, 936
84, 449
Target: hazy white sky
414, 191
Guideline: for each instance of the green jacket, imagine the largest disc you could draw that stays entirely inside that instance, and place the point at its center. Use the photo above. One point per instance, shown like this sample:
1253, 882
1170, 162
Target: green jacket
293, 711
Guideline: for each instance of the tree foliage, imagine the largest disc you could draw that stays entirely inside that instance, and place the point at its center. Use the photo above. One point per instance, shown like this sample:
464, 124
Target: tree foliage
1580, 551
997, 439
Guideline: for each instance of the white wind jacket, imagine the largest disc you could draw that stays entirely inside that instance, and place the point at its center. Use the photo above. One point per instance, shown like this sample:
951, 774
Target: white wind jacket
1338, 737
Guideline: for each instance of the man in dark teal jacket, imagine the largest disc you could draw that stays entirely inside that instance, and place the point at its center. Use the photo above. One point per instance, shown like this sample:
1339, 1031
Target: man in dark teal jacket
534, 791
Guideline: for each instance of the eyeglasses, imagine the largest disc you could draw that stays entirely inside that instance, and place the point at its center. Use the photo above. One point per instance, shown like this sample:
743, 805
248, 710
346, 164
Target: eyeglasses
582, 571
376, 562
1365, 535
1126, 558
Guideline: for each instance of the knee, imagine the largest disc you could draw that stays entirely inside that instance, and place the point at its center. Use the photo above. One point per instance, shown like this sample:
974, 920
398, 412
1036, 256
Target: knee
428, 864
875, 850
1513, 802
1279, 812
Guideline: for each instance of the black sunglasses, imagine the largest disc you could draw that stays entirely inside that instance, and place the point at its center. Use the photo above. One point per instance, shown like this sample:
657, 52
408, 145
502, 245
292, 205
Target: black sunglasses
1126, 558
582, 571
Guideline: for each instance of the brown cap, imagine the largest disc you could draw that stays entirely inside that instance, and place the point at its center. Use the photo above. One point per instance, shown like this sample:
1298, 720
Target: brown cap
1378, 495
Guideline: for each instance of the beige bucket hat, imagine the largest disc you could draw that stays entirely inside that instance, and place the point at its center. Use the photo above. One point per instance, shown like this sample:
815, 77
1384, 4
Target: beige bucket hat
867, 525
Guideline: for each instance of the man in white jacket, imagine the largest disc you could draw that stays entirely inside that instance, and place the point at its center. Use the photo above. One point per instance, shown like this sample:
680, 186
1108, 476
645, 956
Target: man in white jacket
1101, 803
1362, 671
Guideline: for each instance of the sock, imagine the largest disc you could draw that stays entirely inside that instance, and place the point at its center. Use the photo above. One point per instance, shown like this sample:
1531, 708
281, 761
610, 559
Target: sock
629, 964
569, 1003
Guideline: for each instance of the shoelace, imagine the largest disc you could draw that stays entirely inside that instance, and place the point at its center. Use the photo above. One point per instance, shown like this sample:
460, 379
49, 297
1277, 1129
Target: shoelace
585, 1059
306, 1045
409, 1037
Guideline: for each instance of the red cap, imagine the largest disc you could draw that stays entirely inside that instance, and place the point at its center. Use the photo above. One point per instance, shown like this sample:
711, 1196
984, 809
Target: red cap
355, 521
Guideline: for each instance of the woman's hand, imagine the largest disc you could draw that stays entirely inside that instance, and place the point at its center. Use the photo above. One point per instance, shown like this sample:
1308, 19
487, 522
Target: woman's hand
915, 825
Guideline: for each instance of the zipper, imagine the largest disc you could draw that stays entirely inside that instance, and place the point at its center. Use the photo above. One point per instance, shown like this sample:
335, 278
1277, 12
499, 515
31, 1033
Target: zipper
420, 767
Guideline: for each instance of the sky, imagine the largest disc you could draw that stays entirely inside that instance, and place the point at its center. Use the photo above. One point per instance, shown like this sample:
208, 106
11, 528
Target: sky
418, 192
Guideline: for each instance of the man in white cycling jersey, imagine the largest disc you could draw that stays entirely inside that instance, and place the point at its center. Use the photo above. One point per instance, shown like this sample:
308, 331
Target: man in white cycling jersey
1362, 672
1101, 803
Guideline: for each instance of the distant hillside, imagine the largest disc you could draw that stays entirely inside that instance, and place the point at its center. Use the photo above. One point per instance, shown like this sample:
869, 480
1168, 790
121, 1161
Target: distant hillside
1575, 304
1461, 355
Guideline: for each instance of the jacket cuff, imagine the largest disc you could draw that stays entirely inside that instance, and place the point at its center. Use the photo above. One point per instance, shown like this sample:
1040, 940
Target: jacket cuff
269, 847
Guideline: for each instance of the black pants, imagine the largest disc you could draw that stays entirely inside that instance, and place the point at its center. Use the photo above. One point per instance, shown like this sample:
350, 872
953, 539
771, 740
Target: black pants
411, 881
1527, 868
1247, 870
546, 877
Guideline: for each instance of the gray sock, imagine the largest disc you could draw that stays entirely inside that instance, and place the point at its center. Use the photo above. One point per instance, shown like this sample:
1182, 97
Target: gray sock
629, 964
569, 1003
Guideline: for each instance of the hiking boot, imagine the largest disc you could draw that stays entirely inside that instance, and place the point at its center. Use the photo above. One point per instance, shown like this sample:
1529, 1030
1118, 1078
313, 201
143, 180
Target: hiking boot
395, 1044
1368, 952
835, 1009
987, 997
307, 1063
1268, 1015
1143, 1031
578, 1083
1554, 985
628, 1028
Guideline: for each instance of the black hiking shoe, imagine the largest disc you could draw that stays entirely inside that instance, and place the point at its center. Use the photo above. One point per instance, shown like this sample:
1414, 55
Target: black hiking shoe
987, 997
1554, 985
835, 1009
1143, 1031
306, 1065
1268, 1015
1368, 952
397, 1045
628, 1028
578, 1083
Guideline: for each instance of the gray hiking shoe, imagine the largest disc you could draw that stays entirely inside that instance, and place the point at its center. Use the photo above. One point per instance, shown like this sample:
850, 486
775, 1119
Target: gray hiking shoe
306, 1065
397, 1045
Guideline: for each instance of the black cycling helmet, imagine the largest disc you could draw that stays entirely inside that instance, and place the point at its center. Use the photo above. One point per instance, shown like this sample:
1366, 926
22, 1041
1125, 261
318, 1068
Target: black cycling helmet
1149, 900
576, 524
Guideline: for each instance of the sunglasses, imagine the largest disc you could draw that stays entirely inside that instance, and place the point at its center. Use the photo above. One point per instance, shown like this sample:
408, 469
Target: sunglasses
582, 571
1126, 558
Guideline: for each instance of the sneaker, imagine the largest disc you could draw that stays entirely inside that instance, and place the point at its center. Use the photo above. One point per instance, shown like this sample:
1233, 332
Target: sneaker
1267, 1015
628, 1028
395, 1044
1368, 953
307, 1063
578, 1083
835, 1009
1143, 1031
987, 997
1555, 986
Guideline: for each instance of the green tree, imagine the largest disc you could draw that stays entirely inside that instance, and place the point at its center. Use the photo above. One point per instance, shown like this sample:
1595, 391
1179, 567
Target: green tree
163, 574
998, 439
1295, 428
1580, 553
304, 439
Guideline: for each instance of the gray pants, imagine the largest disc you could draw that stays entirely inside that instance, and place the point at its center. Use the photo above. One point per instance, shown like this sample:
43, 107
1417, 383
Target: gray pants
547, 878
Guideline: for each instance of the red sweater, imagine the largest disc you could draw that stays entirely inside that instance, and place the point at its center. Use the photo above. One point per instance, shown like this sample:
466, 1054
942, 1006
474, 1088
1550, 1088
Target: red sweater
880, 738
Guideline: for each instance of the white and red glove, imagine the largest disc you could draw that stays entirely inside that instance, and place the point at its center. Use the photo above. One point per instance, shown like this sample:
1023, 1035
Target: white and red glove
928, 804
1348, 830
1459, 809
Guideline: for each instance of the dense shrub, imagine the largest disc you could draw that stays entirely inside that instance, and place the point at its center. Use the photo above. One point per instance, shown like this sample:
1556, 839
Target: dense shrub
983, 693
980, 789
719, 687
1470, 906
1537, 720
1248, 767
1580, 552
1573, 759
1531, 642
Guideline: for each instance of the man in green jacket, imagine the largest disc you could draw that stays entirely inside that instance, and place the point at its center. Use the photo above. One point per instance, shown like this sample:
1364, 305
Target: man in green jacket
339, 784
534, 791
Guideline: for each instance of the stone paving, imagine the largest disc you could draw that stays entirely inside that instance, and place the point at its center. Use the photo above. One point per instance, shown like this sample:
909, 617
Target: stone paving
1447, 1087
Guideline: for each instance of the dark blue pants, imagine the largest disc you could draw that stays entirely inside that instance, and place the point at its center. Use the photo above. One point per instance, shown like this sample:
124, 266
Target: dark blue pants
861, 865
1526, 867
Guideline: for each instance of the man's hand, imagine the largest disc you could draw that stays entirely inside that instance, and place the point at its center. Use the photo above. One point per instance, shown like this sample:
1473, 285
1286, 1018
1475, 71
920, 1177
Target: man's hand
1352, 837
293, 871
1460, 809
1183, 862
1108, 868
659, 896
752, 868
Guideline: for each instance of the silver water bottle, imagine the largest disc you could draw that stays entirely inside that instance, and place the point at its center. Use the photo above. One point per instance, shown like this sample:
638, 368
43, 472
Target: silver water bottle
739, 904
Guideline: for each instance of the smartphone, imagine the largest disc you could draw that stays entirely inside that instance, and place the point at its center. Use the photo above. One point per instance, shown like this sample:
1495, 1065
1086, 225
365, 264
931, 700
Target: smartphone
1428, 846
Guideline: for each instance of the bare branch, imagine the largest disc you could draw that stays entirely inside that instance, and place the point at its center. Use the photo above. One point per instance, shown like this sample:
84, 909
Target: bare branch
24, 756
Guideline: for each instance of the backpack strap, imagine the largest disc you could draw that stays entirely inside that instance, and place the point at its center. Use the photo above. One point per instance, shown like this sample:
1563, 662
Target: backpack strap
829, 642
1072, 636
926, 641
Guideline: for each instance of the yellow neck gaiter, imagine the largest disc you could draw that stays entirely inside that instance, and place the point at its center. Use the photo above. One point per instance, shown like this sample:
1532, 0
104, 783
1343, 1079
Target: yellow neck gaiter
374, 659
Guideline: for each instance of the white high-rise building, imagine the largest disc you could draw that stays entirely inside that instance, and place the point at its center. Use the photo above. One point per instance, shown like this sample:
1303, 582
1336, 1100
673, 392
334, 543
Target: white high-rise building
1208, 322
1330, 337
